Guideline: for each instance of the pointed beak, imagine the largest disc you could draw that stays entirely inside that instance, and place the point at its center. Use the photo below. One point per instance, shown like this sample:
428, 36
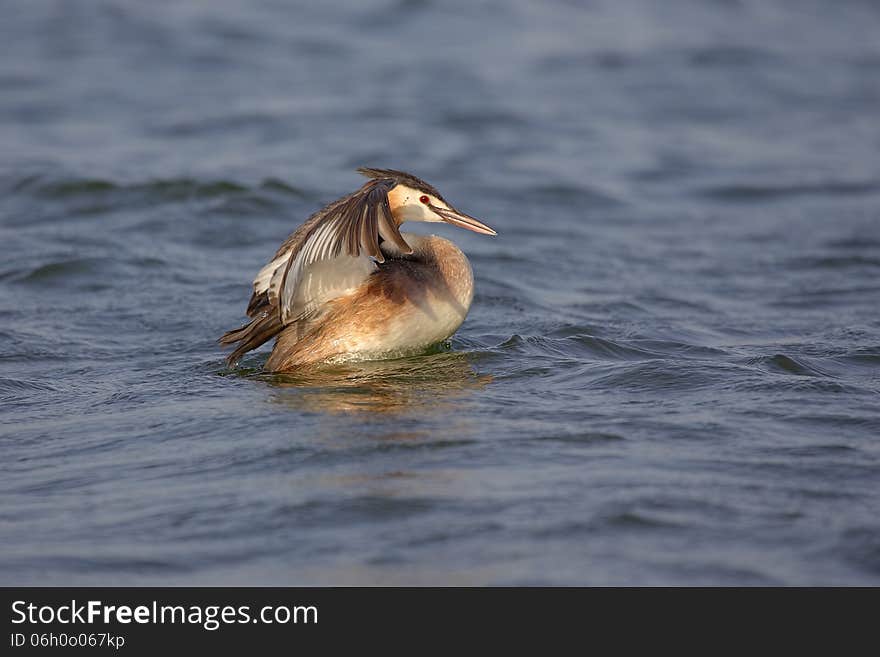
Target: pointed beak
462, 220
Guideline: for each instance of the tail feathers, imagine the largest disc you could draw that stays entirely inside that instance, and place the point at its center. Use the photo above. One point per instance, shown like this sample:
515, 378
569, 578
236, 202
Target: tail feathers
253, 334
257, 304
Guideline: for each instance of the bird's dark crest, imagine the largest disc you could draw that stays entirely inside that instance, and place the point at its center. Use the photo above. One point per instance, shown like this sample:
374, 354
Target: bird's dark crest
401, 177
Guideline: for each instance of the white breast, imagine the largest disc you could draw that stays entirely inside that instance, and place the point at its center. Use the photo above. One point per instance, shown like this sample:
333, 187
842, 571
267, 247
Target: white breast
435, 303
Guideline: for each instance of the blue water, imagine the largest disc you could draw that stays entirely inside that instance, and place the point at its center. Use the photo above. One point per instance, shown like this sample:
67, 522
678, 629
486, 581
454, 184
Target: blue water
671, 370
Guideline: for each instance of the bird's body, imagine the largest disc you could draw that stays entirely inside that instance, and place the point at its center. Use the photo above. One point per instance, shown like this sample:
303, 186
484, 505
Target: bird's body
348, 285
408, 304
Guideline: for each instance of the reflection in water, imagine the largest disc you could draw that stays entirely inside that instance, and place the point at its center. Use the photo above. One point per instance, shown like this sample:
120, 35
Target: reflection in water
429, 384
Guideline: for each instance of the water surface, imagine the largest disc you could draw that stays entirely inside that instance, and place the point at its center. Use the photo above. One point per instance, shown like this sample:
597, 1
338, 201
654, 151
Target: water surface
671, 370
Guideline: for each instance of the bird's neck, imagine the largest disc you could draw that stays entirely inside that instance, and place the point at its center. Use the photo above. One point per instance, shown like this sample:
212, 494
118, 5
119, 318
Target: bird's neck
442, 256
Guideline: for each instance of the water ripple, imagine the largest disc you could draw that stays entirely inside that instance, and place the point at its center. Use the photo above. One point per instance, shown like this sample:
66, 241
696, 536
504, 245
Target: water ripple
670, 372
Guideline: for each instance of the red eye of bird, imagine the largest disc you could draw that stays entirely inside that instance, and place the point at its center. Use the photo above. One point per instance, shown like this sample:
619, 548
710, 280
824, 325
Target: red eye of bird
424, 199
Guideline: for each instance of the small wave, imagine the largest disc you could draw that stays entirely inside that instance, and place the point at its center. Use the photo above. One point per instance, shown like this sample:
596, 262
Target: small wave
636, 520
674, 303
796, 384
562, 192
239, 205
626, 520
856, 242
675, 348
867, 356
769, 191
716, 573
574, 346
583, 438
827, 296
782, 364
834, 262
855, 420
602, 59
360, 509
9, 386
473, 121
657, 375
86, 274
202, 126
816, 451
108, 564
730, 57
170, 189
57, 271
609, 349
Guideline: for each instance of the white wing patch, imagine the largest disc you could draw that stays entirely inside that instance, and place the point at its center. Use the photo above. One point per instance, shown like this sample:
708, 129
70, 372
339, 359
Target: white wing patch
316, 276
323, 281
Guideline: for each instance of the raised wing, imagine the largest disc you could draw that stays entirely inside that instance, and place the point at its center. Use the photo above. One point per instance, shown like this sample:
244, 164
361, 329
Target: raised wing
331, 253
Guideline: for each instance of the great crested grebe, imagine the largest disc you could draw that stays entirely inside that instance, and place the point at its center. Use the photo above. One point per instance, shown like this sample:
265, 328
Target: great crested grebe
348, 285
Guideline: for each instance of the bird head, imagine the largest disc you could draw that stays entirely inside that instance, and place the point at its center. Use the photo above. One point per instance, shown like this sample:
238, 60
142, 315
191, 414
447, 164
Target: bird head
412, 199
